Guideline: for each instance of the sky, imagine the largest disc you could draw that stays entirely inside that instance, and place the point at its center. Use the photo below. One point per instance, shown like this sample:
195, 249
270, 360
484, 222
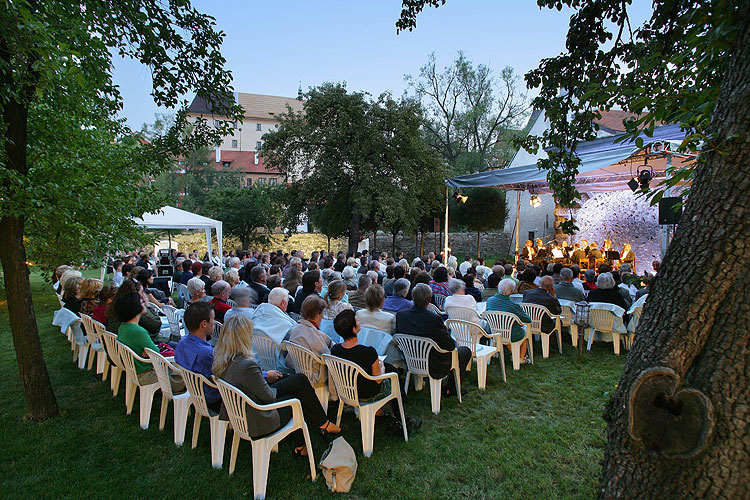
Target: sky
271, 46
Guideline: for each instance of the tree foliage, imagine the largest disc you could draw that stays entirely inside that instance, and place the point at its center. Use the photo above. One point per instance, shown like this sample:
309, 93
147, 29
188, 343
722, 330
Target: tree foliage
250, 214
351, 159
467, 109
485, 209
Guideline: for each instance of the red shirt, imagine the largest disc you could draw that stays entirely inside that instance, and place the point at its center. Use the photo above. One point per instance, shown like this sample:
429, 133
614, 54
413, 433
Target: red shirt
99, 313
220, 307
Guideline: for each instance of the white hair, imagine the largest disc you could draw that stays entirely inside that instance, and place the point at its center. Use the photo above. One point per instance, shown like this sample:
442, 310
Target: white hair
195, 285
566, 274
452, 262
347, 273
215, 272
507, 287
401, 287
277, 296
373, 276
220, 287
295, 261
455, 285
232, 261
605, 281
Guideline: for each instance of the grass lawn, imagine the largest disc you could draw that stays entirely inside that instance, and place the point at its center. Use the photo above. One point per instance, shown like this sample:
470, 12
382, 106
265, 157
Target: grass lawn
538, 436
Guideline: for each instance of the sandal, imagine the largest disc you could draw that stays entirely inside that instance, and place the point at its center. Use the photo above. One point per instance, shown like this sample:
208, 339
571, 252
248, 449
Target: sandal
300, 452
325, 432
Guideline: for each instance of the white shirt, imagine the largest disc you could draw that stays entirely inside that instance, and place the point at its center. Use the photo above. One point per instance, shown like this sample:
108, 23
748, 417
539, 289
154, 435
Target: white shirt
379, 320
578, 284
464, 266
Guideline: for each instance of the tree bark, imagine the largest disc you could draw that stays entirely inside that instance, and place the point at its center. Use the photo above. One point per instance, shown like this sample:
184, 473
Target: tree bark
695, 323
479, 243
354, 232
421, 244
393, 244
40, 398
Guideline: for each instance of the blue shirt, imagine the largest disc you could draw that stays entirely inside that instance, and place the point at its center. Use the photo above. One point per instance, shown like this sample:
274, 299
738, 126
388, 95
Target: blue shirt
394, 303
197, 355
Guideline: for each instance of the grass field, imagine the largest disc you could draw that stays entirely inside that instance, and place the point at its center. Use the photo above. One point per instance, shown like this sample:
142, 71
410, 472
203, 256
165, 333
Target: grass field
538, 436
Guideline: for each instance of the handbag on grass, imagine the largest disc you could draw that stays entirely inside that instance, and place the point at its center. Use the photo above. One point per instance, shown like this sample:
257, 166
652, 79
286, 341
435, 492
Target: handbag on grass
339, 465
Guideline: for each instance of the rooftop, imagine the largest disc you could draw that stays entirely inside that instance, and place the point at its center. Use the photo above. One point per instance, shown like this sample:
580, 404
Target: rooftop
255, 105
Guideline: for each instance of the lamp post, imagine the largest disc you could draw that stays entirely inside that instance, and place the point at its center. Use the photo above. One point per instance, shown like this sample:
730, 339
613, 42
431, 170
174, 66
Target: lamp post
582, 315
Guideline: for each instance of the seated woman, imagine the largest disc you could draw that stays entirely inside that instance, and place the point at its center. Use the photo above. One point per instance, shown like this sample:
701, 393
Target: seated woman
306, 332
458, 295
334, 305
527, 281
197, 289
146, 278
347, 325
89, 295
106, 294
129, 308
71, 290
606, 291
349, 275
373, 316
148, 320
439, 282
590, 277
234, 363
502, 302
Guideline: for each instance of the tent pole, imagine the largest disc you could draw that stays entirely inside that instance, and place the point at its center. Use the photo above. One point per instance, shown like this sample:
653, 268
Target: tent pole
445, 247
518, 209
665, 228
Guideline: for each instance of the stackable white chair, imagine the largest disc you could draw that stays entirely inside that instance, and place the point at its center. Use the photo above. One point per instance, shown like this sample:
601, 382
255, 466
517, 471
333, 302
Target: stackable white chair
174, 316
181, 402
215, 334
536, 312
128, 358
266, 352
566, 319
116, 366
183, 293
236, 403
155, 308
635, 317
416, 353
603, 317
344, 374
517, 298
94, 345
310, 364
468, 333
462, 313
438, 300
501, 324
194, 382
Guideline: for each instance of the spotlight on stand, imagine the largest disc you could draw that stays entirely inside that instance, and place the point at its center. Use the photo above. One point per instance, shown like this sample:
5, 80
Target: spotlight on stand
633, 184
643, 176
535, 201
460, 198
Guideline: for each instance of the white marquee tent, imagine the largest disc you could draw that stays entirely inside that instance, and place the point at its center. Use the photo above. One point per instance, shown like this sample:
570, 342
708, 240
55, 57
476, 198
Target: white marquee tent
174, 218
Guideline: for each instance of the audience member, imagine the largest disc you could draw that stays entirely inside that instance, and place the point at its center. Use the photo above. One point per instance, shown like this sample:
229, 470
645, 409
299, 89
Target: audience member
243, 298
502, 302
493, 280
565, 289
258, 285
357, 299
545, 296
334, 305
196, 289
398, 300
311, 285
527, 281
221, 291
194, 353
373, 316
307, 334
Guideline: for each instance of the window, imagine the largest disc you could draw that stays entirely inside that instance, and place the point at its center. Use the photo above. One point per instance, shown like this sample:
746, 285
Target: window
226, 164
531, 235
257, 145
249, 182
234, 124
234, 143
272, 181
217, 123
260, 181
258, 127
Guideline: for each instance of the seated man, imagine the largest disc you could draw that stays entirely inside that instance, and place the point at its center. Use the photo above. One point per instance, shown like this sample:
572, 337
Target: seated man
492, 282
312, 284
271, 320
258, 276
398, 273
186, 273
357, 299
420, 322
243, 297
545, 296
565, 289
221, 290
398, 300
194, 353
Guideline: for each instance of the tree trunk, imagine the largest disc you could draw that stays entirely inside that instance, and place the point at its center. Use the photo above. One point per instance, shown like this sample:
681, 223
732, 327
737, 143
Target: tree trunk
695, 323
329, 244
354, 232
393, 244
421, 244
40, 399
374, 240
479, 243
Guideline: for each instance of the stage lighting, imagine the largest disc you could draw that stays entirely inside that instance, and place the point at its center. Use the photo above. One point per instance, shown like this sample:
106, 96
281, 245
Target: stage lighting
460, 198
633, 184
535, 201
644, 177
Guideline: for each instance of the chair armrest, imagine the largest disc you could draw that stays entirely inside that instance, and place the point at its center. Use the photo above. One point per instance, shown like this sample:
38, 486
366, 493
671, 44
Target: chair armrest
382, 376
294, 403
142, 360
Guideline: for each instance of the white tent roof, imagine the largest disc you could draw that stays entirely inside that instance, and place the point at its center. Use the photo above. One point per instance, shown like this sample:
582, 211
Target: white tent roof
174, 218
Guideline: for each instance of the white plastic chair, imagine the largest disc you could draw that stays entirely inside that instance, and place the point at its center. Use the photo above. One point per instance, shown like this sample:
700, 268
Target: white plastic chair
463, 313
155, 308
603, 320
501, 324
536, 312
194, 383
344, 374
635, 317
310, 364
236, 403
438, 300
416, 353
216, 333
116, 366
266, 352
566, 319
128, 358
183, 293
174, 316
517, 298
468, 333
181, 402
296, 317
93, 333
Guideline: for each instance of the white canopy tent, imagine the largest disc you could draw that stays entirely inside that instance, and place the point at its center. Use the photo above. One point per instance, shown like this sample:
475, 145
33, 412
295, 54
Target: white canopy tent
174, 218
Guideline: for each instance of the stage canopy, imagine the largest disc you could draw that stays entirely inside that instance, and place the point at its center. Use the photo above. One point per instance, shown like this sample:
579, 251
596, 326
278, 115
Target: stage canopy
174, 218
606, 165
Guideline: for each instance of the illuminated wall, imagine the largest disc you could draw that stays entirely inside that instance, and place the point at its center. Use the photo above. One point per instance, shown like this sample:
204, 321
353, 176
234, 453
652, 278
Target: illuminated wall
621, 217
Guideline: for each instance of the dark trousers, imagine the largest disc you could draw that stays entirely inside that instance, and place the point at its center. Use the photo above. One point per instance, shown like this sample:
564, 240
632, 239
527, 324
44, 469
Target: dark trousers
464, 358
298, 386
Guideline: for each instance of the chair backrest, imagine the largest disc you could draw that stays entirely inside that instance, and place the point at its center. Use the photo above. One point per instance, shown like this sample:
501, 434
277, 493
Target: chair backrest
127, 356
154, 307
216, 333
635, 317
501, 322
416, 351
174, 316
466, 333
59, 299
305, 361
462, 313
567, 315
194, 384
231, 302
296, 317
344, 374
438, 300
536, 312
183, 293
235, 402
161, 367
602, 320
517, 298
88, 325
110, 344
266, 352
434, 309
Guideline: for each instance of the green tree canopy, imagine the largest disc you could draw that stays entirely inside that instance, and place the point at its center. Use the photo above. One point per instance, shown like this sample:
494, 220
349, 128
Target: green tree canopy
485, 209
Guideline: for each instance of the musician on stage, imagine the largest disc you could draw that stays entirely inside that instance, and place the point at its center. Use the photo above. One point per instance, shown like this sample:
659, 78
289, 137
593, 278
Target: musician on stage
594, 252
528, 252
627, 255
585, 247
541, 250
578, 253
610, 255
